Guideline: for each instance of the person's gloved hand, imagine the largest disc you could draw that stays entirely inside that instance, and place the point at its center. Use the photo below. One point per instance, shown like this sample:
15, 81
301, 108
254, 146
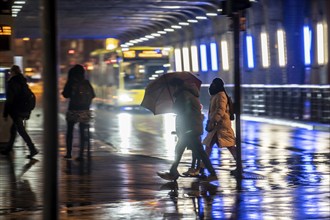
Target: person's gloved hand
209, 126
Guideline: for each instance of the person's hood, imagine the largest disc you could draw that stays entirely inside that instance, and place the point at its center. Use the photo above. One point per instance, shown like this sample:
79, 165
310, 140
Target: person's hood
19, 78
192, 88
215, 89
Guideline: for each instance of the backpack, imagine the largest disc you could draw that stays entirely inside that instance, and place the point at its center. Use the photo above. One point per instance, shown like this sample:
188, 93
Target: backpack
27, 99
231, 108
82, 94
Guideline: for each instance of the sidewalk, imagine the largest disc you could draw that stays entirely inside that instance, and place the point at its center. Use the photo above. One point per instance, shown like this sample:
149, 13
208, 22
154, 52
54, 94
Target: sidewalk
110, 185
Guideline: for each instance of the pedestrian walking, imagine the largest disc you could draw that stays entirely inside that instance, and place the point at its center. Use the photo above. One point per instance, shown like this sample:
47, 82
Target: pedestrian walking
189, 127
219, 126
81, 93
18, 105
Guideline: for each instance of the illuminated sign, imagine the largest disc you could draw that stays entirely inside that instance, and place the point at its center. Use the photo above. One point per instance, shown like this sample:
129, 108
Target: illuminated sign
5, 36
144, 54
129, 54
5, 30
154, 54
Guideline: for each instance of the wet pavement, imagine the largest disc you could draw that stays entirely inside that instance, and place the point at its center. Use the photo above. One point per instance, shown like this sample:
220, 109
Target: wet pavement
286, 174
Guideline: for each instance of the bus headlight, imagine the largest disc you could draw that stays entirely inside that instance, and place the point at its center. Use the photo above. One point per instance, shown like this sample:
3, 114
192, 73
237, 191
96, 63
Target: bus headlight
125, 98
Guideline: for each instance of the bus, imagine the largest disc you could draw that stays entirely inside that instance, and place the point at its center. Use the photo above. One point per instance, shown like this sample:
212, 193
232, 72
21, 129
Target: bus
120, 76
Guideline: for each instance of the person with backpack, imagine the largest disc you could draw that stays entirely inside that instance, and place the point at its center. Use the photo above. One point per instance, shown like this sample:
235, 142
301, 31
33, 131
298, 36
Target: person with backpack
19, 103
81, 93
219, 126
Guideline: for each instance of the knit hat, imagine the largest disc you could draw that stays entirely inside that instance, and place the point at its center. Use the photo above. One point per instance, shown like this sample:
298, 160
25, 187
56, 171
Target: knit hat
218, 82
216, 86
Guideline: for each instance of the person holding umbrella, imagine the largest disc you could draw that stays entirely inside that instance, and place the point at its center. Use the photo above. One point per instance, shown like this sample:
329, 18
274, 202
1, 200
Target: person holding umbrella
189, 127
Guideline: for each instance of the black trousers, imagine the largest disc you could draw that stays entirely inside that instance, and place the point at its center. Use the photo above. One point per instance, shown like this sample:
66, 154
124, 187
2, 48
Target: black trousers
18, 126
192, 141
69, 137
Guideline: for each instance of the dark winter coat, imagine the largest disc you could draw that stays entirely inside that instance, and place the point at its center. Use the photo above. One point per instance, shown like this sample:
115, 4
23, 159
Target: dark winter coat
69, 87
13, 102
188, 109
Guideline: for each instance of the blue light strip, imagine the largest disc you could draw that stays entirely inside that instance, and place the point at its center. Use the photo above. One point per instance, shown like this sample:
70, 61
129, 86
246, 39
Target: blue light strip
307, 44
214, 57
249, 47
203, 57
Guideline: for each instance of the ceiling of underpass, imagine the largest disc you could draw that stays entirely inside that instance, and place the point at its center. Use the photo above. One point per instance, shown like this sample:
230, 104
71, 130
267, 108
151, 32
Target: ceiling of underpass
121, 19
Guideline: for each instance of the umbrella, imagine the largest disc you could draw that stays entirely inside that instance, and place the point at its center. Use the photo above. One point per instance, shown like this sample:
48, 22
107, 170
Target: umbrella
158, 97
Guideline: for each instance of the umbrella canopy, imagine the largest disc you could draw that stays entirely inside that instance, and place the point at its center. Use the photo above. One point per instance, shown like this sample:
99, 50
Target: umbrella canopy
158, 97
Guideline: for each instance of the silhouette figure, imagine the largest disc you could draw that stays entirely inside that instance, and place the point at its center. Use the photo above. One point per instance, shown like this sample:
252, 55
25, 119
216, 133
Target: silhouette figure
15, 108
81, 93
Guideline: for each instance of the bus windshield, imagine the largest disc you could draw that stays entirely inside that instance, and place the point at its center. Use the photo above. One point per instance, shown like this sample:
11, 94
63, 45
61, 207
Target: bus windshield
137, 75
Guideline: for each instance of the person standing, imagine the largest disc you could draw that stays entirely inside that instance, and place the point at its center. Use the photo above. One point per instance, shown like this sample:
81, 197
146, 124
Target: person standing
189, 127
80, 92
16, 85
219, 126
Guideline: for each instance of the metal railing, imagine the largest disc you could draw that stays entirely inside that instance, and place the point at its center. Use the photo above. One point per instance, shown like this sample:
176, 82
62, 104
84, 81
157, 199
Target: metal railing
310, 103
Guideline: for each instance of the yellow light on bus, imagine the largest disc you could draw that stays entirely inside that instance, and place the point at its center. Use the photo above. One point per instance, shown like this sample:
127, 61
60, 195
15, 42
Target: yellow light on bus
90, 67
28, 69
111, 43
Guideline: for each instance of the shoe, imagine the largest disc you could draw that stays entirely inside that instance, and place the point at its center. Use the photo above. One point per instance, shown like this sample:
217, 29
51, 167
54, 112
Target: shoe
191, 172
188, 172
195, 172
33, 153
67, 157
168, 176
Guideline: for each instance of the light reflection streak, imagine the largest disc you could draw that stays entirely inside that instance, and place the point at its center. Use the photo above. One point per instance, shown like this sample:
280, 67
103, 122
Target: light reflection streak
126, 208
125, 130
170, 139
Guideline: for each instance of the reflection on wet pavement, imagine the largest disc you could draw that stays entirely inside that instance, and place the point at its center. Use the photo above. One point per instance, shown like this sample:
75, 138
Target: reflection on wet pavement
286, 170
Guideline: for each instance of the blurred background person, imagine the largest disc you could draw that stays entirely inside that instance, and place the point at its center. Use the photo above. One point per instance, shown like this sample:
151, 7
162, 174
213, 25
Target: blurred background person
17, 107
81, 93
